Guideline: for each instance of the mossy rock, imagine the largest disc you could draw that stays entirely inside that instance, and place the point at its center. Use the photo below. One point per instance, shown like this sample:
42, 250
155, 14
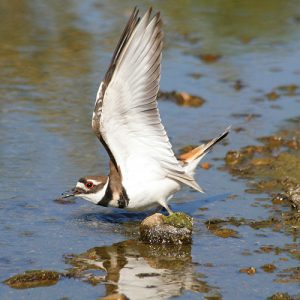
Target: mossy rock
32, 279
174, 229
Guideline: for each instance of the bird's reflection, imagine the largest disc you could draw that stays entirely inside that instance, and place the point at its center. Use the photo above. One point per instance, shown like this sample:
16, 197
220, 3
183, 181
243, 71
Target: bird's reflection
139, 271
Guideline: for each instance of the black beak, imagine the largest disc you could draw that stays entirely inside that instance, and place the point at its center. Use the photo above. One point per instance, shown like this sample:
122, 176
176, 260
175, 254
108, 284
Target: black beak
68, 194
73, 192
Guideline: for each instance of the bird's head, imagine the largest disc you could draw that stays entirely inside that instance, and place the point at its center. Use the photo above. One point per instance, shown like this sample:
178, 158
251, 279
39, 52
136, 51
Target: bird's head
91, 188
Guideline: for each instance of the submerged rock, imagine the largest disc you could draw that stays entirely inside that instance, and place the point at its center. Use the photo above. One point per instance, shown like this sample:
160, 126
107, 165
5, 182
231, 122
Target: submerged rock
272, 95
269, 268
174, 229
209, 57
250, 271
293, 195
215, 227
280, 296
115, 297
225, 233
32, 279
182, 98
205, 166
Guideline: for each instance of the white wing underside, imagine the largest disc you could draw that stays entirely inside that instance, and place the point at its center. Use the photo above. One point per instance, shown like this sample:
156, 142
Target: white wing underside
129, 119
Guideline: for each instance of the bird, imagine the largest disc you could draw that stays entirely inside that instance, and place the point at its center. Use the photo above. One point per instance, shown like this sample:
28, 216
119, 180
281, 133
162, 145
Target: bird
144, 172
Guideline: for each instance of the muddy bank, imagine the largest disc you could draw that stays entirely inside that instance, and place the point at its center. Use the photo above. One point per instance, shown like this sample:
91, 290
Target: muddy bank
272, 167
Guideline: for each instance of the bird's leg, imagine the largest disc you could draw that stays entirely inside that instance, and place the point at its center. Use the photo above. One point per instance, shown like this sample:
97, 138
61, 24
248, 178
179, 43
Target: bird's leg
168, 208
158, 209
164, 204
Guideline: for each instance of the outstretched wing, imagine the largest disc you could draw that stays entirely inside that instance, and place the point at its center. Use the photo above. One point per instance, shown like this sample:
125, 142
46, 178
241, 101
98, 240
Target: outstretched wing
126, 117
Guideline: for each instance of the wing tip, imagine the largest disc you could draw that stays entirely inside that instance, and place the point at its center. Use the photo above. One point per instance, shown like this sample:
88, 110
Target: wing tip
197, 187
227, 130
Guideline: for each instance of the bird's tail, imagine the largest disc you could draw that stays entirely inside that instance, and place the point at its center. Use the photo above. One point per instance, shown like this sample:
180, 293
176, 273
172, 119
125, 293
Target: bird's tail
191, 159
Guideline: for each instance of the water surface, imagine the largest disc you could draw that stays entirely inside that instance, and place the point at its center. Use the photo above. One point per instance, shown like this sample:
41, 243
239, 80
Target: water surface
52, 57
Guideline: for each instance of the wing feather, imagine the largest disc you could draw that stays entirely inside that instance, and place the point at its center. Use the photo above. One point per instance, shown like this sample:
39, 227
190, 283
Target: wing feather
126, 118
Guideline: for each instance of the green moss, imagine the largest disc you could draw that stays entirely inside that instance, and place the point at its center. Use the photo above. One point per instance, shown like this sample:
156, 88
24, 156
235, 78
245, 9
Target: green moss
179, 220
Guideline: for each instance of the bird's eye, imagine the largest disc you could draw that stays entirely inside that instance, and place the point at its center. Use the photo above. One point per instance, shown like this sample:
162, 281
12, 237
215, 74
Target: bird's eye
89, 184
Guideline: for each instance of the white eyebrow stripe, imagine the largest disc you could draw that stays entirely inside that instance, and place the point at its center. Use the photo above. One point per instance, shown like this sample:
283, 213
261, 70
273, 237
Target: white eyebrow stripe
95, 182
81, 186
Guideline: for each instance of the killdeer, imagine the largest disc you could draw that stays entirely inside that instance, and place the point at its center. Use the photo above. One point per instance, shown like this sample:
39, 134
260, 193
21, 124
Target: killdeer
144, 172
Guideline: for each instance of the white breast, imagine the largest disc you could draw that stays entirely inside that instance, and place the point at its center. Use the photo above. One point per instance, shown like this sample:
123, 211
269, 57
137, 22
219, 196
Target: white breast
150, 194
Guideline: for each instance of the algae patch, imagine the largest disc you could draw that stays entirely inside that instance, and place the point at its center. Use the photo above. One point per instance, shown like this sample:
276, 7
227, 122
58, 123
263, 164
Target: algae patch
33, 279
179, 220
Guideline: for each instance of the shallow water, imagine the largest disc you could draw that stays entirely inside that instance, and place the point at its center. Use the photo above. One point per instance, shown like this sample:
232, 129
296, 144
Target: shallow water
51, 60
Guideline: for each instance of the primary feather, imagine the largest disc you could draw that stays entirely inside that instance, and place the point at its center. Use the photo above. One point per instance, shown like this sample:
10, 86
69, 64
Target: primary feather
126, 118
